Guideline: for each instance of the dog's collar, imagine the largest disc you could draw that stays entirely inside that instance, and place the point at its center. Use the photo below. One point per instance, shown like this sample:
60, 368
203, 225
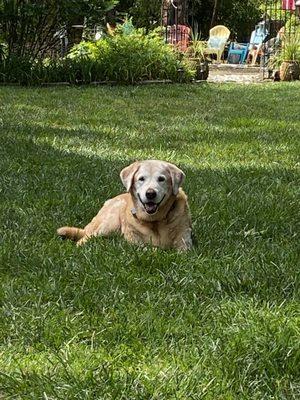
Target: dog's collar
134, 212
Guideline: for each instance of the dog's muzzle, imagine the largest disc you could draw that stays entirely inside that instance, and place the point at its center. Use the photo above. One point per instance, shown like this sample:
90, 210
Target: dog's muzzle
150, 206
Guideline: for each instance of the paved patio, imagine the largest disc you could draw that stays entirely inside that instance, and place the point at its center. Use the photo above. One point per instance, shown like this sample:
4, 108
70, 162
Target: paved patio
234, 73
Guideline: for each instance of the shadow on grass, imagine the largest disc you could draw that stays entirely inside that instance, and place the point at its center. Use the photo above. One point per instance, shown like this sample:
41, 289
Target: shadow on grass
228, 132
191, 314
223, 316
244, 219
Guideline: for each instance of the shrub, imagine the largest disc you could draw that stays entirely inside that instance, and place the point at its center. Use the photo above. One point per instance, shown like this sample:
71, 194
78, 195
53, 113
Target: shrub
130, 58
138, 57
291, 49
15, 70
125, 58
84, 51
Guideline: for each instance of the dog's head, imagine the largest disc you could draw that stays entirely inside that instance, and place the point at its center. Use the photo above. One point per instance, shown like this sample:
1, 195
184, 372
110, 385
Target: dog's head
152, 183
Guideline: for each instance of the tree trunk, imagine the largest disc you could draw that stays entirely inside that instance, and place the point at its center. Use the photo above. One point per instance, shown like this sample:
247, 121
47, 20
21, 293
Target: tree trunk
214, 14
182, 12
164, 12
168, 12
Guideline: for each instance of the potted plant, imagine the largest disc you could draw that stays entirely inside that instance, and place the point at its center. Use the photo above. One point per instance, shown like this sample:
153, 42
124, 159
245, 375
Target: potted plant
289, 59
197, 56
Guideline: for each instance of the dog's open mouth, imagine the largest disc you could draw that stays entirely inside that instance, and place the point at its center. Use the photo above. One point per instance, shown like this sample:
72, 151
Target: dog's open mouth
151, 207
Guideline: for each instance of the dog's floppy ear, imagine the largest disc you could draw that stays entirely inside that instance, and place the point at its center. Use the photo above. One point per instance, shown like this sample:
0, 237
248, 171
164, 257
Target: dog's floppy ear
177, 177
127, 175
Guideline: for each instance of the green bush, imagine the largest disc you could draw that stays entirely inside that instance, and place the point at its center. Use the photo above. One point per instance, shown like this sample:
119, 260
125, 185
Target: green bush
125, 58
129, 59
16, 70
85, 51
137, 57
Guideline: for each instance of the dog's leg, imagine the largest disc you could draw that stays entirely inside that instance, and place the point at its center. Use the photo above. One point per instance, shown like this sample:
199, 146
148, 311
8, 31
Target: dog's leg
83, 240
104, 223
183, 242
70, 232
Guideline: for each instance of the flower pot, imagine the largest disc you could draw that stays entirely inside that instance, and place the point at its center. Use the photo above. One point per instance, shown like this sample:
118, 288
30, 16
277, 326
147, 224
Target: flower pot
289, 71
202, 69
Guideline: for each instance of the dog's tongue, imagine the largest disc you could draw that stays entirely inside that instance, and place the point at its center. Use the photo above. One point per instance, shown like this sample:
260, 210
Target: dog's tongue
151, 207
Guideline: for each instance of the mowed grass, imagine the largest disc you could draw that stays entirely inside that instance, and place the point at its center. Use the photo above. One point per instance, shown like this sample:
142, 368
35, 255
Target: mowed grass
111, 321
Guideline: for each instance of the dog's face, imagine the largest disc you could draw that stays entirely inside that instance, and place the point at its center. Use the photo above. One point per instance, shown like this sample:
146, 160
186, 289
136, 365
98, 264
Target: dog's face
152, 183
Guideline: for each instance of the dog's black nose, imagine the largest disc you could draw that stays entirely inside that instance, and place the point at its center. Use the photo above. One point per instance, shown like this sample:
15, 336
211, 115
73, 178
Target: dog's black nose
151, 194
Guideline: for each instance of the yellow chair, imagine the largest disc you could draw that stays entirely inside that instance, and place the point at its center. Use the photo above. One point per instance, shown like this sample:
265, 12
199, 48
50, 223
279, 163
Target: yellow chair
218, 36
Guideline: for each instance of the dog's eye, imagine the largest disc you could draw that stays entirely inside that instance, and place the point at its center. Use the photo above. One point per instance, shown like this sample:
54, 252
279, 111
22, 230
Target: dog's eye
141, 178
161, 179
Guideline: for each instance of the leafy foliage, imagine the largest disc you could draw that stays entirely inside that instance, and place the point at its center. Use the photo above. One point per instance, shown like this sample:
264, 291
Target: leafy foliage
291, 49
196, 46
32, 27
240, 16
85, 51
123, 58
139, 56
145, 13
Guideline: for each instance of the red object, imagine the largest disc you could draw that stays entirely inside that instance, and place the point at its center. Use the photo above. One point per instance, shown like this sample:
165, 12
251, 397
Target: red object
179, 35
288, 5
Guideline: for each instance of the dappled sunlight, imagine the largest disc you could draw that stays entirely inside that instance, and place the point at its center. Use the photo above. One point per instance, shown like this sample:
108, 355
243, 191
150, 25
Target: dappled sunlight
214, 155
204, 145
110, 313
211, 126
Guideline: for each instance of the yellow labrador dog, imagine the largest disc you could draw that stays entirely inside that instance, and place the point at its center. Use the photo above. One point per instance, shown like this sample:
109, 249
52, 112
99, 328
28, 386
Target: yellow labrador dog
153, 211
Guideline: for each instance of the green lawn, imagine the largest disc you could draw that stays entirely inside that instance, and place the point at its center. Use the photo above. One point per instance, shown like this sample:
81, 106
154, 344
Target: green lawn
110, 321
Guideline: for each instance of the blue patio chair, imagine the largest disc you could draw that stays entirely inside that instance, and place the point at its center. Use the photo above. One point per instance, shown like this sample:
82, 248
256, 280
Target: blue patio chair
237, 53
258, 36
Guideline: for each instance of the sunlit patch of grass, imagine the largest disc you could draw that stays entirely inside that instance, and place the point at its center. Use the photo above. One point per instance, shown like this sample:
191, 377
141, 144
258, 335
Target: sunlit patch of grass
111, 321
